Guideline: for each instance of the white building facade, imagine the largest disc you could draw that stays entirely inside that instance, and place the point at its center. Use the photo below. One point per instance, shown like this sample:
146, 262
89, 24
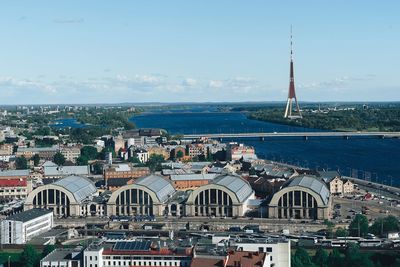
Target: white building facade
21, 227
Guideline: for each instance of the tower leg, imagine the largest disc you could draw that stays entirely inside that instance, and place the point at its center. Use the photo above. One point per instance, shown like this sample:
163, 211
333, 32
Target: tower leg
287, 109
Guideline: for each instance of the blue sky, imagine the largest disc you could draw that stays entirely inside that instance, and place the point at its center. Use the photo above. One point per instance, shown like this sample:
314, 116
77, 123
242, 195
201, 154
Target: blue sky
170, 51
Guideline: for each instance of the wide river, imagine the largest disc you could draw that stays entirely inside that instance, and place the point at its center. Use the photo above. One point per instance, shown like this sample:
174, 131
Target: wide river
372, 159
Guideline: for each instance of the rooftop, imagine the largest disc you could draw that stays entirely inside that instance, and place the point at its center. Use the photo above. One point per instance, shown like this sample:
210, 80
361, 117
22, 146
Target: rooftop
79, 186
14, 173
237, 185
28, 215
313, 183
160, 186
64, 254
185, 177
65, 170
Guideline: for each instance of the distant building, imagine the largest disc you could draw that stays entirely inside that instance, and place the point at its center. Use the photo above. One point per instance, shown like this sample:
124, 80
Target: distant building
56, 172
191, 181
142, 155
119, 143
238, 151
45, 153
196, 150
125, 171
348, 187
15, 184
15, 188
71, 153
21, 227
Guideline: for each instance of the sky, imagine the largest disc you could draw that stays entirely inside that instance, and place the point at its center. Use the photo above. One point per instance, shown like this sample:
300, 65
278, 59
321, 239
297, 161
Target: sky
59, 52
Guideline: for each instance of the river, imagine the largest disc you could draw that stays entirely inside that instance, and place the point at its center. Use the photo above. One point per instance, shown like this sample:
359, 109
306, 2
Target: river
372, 159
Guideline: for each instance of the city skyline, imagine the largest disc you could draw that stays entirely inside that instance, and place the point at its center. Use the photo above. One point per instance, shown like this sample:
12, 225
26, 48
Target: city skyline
98, 52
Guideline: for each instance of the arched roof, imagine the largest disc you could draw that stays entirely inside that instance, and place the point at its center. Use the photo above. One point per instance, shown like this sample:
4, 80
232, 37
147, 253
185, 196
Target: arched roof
160, 186
79, 186
312, 183
237, 185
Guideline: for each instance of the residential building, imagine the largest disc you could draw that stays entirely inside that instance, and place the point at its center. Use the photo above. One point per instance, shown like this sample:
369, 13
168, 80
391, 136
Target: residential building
238, 151
142, 155
71, 153
348, 187
196, 150
125, 171
21, 227
15, 188
45, 153
336, 186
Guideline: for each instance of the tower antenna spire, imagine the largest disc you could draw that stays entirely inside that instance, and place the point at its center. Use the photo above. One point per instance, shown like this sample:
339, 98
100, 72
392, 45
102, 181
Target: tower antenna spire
292, 92
291, 43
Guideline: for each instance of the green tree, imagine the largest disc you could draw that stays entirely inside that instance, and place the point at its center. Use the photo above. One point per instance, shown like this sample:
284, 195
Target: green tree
89, 152
335, 258
36, 160
47, 250
179, 154
321, 257
82, 160
105, 150
359, 226
353, 257
21, 163
29, 256
97, 168
154, 162
134, 159
385, 225
341, 232
301, 258
59, 159
329, 227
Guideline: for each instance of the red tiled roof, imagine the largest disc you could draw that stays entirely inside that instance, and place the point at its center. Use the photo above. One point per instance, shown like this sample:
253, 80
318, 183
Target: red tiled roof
12, 182
246, 259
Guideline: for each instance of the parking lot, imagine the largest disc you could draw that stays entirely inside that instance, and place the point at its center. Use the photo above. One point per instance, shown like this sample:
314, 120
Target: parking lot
345, 208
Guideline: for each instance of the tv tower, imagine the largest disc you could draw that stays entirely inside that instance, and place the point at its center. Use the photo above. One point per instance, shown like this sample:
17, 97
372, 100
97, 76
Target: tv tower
292, 92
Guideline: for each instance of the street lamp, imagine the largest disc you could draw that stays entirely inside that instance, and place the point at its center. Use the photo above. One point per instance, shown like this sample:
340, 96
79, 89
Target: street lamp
9, 257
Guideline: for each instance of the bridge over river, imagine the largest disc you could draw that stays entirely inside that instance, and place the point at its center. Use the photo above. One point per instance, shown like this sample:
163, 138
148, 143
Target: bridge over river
305, 135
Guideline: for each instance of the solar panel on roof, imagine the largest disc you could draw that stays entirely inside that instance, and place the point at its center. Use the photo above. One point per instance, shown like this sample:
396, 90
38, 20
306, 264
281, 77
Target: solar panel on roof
132, 245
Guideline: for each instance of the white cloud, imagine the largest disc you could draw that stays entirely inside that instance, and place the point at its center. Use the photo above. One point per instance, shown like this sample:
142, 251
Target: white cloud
336, 83
215, 84
189, 82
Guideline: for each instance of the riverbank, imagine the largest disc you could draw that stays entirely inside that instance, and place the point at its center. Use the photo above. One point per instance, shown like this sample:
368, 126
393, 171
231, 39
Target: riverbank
345, 119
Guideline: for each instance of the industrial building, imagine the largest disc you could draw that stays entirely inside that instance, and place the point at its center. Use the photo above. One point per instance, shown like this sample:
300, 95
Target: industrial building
226, 195
302, 197
69, 196
147, 196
